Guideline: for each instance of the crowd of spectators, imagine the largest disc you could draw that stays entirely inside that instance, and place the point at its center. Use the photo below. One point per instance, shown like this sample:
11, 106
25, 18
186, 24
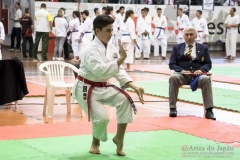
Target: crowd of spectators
157, 2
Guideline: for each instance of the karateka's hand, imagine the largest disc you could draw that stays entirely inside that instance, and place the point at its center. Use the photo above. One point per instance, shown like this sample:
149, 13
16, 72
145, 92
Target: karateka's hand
1, 41
140, 92
198, 72
134, 42
122, 50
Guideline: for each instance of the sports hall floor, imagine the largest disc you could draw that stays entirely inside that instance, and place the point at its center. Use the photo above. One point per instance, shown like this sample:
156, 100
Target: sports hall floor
25, 134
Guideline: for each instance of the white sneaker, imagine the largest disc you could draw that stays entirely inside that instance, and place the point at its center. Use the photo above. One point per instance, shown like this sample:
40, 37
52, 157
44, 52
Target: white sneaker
54, 58
61, 59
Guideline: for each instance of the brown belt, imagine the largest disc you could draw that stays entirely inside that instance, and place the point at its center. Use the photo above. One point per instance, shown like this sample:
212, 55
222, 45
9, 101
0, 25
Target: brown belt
103, 84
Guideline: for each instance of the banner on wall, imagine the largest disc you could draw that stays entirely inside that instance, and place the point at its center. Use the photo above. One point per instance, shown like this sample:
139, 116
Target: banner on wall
208, 5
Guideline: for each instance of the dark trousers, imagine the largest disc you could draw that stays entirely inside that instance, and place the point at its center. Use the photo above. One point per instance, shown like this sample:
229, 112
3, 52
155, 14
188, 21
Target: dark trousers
24, 43
16, 32
45, 39
65, 47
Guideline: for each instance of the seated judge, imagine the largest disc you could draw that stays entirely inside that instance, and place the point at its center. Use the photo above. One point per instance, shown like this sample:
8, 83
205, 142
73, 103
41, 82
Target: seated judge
190, 61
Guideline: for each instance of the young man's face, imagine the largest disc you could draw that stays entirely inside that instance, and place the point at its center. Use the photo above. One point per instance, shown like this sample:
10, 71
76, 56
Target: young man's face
143, 13
159, 12
180, 12
105, 34
198, 14
16, 6
97, 12
122, 10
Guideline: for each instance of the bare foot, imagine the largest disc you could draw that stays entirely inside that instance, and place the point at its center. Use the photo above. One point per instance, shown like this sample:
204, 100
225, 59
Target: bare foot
119, 145
94, 148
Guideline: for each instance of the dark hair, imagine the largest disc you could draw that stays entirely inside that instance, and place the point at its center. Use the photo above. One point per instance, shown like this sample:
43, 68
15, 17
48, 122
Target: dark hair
128, 13
17, 3
122, 7
95, 10
108, 10
199, 11
77, 14
146, 9
103, 8
27, 10
64, 9
143, 10
102, 21
86, 12
43, 5
234, 9
159, 9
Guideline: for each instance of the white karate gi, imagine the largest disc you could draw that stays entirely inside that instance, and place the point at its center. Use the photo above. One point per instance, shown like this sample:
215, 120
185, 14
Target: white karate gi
2, 37
127, 36
99, 64
231, 36
201, 27
143, 24
74, 27
183, 22
87, 28
115, 34
160, 24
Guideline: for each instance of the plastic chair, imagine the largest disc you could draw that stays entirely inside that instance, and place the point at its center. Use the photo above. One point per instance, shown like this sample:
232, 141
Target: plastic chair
54, 71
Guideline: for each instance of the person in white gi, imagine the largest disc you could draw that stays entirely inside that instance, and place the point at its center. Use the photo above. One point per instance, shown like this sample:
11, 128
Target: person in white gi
16, 30
119, 21
232, 23
183, 22
128, 37
120, 17
2, 37
200, 24
86, 35
96, 13
74, 27
100, 62
160, 23
114, 39
143, 40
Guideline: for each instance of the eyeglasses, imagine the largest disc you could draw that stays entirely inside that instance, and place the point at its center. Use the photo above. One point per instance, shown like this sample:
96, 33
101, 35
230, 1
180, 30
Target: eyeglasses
188, 34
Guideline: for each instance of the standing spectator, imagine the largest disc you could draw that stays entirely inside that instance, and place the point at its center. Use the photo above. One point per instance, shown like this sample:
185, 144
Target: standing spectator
183, 22
43, 27
232, 23
128, 37
200, 24
160, 23
74, 27
114, 39
2, 37
61, 26
65, 45
96, 13
120, 17
143, 40
27, 30
87, 27
103, 10
16, 31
